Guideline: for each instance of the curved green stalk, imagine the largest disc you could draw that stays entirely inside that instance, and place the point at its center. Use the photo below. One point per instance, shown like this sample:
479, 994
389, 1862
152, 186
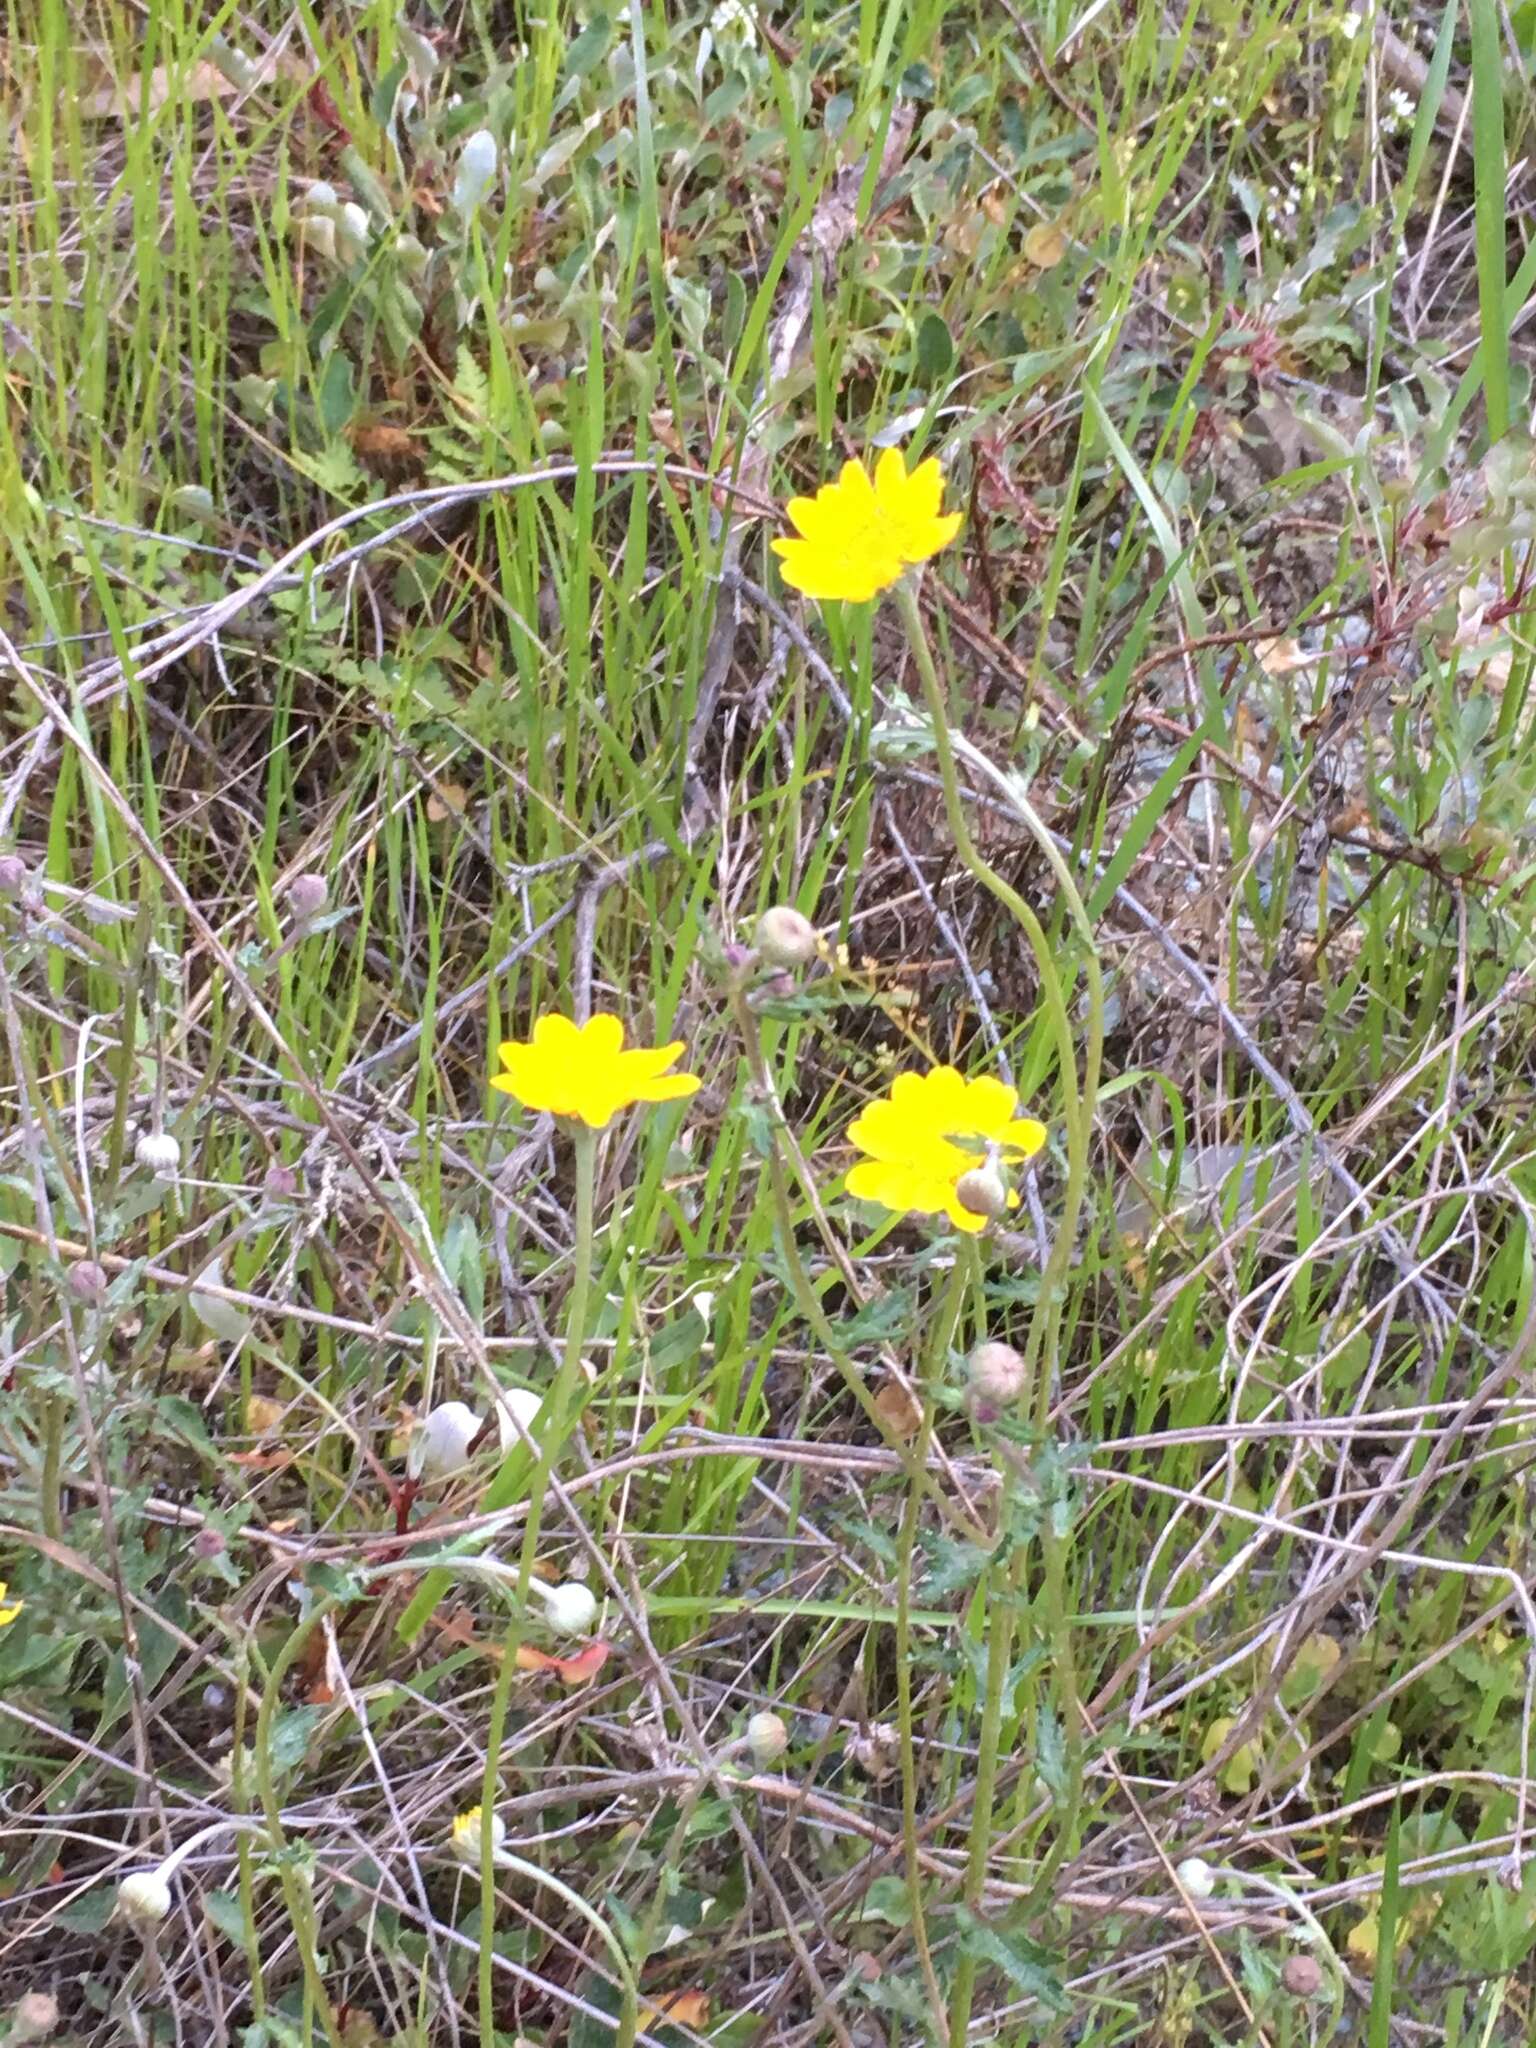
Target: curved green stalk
941, 1337
1041, 1347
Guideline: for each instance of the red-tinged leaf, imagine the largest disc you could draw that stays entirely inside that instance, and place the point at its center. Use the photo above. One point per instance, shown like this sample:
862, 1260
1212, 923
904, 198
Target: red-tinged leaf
325, 110
578, 1670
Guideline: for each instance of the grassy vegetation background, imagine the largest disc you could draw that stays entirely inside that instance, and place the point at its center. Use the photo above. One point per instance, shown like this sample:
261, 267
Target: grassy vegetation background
396, 409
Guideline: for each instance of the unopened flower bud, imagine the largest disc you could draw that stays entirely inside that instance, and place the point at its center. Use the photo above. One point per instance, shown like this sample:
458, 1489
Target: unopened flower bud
352, 232
1302, 1976
767, 1738
33, 2017
280, 1182
981, 1192
997, 1374
1197, 1877
570, 1609
786, 939
209, 1543
513, 1406
158, 1153
469, 1830
87, 1280
440, 1446
13, 874
307, 896
144, 1899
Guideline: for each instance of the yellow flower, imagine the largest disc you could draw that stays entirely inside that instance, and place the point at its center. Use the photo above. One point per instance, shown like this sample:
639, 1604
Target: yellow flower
584, 1071
9, 1609
930, 1130
857, 538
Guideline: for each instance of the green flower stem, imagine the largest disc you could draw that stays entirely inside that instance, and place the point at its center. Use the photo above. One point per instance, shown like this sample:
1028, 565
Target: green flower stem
490, 1786
1000, 1627
50, 1485
492, 1859
629, 2000
505, 1486
912, 1459
296, 1894
1042, 1344
940, 1339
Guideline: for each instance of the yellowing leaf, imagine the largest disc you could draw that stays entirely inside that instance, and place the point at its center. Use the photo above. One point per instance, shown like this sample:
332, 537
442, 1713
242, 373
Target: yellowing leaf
262, 1414
1045, 245
682, 2008
902, 1414
1237, 1772
1315, 1661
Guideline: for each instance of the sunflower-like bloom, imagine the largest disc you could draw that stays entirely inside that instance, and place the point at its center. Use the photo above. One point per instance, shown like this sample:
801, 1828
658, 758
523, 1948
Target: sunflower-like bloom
857, 537
9, 1609
930, 1131
584, 1071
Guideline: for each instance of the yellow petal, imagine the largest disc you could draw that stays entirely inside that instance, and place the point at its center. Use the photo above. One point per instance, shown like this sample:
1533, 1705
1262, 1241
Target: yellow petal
854, 484
601, 1035
1025, 1136
963, 1218
669, 1088
891, 479
554, 1033
989, 1106
925, 489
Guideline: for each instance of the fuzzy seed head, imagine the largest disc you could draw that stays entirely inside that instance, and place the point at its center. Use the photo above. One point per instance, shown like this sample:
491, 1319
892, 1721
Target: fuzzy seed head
87, 1280
307, 895
1302, 1976
34, 2016
996, 1373
785, 939
1197, 1877
982, 1192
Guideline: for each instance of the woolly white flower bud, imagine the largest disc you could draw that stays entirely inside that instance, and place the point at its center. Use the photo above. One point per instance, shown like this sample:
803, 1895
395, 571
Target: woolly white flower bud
158, 1153
767, 1738
144, 1899
440, 1446
516, 1405
352, 232
1197, 1877
570, 1609
477, 169
784, 938
468, 1830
